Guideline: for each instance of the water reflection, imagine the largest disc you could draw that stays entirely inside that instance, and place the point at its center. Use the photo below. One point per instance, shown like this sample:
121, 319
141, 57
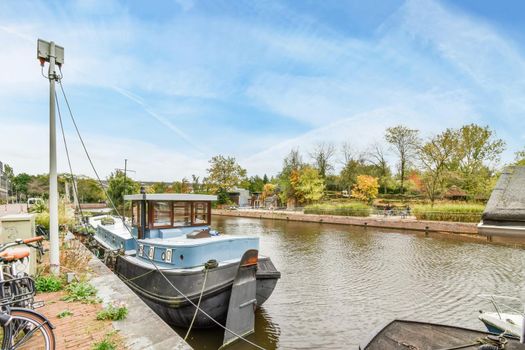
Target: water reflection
266, 334
339, 283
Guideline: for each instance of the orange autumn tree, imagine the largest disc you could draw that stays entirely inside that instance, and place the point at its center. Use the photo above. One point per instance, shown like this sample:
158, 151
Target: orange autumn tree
366, 188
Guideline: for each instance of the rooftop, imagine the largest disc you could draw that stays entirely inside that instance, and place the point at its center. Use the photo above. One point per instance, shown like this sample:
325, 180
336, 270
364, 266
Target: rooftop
171, 197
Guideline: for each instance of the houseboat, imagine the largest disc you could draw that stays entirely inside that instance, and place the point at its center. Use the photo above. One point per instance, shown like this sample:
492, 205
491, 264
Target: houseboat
171, 233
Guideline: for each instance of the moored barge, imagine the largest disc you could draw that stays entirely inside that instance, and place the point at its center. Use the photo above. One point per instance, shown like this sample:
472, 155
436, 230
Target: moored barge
170, 238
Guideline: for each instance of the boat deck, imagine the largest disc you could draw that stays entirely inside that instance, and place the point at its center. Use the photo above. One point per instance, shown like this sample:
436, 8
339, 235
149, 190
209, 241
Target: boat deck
403, 335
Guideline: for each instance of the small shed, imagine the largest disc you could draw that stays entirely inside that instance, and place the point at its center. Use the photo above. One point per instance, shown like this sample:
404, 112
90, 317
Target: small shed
455, 193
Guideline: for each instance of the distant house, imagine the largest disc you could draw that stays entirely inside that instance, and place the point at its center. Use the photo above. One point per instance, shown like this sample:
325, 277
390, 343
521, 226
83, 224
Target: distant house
4, 184
256, 200
455, 193
240, 197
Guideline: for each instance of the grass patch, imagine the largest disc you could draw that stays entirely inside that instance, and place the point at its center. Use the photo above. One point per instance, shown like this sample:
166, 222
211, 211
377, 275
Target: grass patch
449, 212
105, 344
82, 292
64, 314
343, 209
48, 283
113, 312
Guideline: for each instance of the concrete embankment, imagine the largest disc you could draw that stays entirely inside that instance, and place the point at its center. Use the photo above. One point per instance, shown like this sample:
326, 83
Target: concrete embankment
142, 328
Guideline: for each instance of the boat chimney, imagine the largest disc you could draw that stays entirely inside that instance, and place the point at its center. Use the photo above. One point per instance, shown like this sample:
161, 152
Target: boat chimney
142, 213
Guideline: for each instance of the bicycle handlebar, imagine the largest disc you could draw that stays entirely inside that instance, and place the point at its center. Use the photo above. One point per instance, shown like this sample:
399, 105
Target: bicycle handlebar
33, 239
27, 241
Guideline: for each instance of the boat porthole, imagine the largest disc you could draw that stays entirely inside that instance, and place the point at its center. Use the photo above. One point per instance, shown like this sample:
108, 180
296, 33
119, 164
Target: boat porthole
181, 257
163, 256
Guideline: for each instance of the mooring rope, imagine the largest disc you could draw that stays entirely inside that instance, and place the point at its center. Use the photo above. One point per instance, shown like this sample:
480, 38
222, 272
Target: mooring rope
198, 303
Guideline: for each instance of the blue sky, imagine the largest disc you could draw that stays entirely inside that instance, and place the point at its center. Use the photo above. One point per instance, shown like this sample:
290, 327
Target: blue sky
169, 84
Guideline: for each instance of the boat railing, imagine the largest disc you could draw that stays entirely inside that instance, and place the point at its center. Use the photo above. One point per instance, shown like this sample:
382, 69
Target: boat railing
501, 304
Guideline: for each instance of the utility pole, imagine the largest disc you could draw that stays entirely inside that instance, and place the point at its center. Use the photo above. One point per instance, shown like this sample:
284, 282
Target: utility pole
54, 54
125, 187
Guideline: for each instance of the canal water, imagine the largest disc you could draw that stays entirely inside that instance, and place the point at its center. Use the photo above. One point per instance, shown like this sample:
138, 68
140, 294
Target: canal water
339, 283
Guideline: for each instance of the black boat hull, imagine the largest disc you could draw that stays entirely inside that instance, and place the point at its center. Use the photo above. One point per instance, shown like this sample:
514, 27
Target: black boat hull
173, 307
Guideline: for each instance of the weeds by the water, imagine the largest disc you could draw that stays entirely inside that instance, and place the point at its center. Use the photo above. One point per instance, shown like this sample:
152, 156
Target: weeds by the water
113, 312
344, 209
82, 292
48, 283
449, 212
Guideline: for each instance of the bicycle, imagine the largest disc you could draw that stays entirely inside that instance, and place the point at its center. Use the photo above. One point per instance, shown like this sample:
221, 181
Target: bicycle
22, 328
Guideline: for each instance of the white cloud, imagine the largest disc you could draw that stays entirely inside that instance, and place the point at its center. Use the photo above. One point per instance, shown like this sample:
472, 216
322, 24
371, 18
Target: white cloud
25, 147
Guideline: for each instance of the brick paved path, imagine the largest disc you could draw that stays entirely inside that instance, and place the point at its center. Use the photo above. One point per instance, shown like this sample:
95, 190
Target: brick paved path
79, 331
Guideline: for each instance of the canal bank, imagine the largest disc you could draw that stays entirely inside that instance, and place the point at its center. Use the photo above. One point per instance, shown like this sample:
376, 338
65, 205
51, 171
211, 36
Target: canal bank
464, 231
389, 222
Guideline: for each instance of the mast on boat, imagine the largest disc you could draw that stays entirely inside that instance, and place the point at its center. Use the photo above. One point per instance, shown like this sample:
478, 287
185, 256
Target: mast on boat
54, 54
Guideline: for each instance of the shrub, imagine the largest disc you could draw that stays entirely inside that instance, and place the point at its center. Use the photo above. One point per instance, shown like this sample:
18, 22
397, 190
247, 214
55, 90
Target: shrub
84, 230
347, 209
48, 283
107, 220
113, 312
449, 212
65, 217
81, 291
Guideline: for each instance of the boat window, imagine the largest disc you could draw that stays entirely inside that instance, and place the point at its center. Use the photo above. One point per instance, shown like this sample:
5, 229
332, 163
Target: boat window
200, 213
135, 213
181, 213
161, 214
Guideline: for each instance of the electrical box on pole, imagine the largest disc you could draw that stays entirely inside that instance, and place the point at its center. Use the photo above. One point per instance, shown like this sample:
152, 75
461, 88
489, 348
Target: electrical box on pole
54, 54
43, 52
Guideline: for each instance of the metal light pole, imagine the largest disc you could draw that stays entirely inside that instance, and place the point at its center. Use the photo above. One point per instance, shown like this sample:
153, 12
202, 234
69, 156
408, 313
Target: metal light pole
54, 54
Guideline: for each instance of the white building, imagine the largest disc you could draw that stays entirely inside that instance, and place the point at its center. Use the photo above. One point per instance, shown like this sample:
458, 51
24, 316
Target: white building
4, 184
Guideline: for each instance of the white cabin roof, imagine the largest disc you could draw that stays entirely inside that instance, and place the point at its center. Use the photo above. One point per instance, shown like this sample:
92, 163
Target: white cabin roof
171, 197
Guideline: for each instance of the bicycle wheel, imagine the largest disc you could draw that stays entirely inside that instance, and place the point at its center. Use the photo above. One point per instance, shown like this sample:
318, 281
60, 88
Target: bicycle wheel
28, 330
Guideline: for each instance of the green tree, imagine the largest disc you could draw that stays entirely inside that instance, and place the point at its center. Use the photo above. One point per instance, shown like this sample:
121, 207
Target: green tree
20, 184
404, 142
38, 186
436, 157
159, 187
89, 190
310, 184
519, 159
288, 178
120, 185
223, 197
478, 151
183, 186
255, 184
225, 173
